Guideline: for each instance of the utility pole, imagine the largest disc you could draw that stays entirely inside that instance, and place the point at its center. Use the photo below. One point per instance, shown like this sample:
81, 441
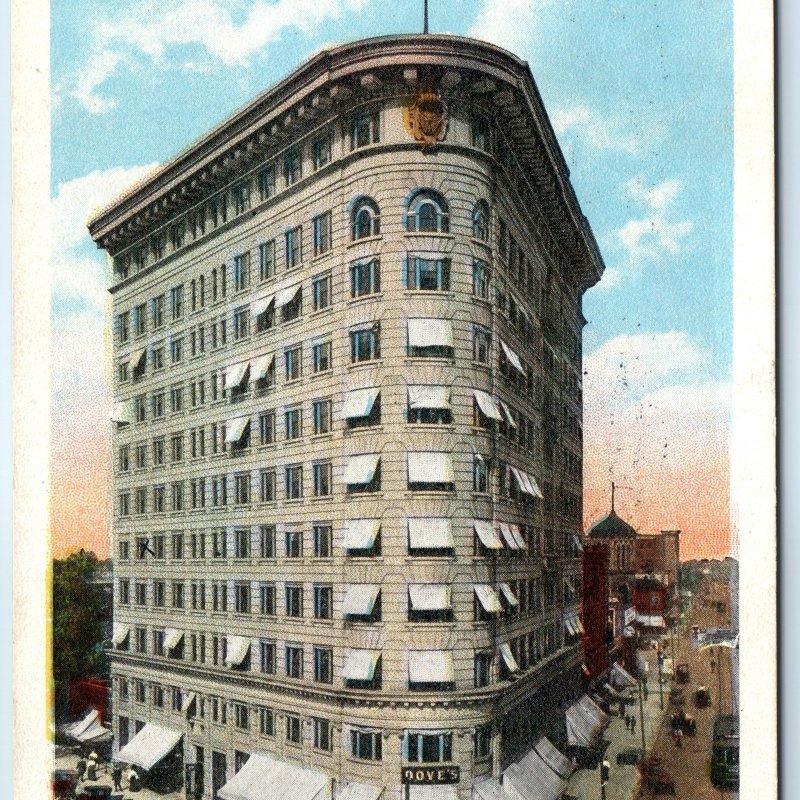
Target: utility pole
660, 658
425, 29
641, 721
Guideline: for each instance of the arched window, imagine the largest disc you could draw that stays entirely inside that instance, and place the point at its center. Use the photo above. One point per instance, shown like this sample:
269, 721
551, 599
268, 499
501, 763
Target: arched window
365, 219
428, 213
480, 221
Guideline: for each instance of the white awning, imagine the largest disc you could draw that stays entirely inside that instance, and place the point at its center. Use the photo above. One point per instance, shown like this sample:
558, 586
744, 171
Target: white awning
489, 788
518, 537
433, 792
430, 666
508, 657
264, 777
428, 467
507, 413
137, 357
187, 705
75, 730
238, 648
510, 597
487, 405
358, 791
361, 469
487, 534
261, 367
358, 402
285, 296
121, 633
570, 626
234, 429
535, 486
512, 357
149, 746
429, 596
359, 665
430, 333
579, 624
437, 397
258, 307
540, 781
359, 600
650, 620
122, 411
523, 481
508, 535
234, 374
554, 758
620, 677
429, 533
172, 638
359, 534
488, 598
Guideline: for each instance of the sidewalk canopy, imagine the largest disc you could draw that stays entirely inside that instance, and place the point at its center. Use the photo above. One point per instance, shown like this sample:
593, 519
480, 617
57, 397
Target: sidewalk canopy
258, 307
266, 778
621, 678
149, 746
487, 534
508, 535
121, 633
261, 367
554, 758
235, 373
585, 723
358, 402
508, 657
285, 296
548, 783
512, 357
442, 792
358, 791
234, 429
359, 600
429, 533
430, 666
88, 729
486, 788
172, 638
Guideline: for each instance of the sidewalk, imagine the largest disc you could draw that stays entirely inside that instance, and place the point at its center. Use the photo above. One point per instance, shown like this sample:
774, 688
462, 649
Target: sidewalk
623, 779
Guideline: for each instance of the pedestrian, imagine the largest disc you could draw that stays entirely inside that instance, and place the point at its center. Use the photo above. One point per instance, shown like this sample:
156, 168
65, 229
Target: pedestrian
133, 780
91, 768
116, 775
81, 768
713, 665
633, 724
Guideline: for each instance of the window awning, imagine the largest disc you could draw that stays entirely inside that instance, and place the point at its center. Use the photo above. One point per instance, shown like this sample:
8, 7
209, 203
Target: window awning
523, 481
149, 746
429, 533
122, 411
359, 665
534, 486
234, 429
359, 600
358, 402
509, 595
507, 414
487, 405
429, 596
359, 534
430, 467
508, 657
137, 357
487, 534
361, 469
358, 791
121, 633
187, 705
436, 397
88, 729
261, 367
430, 666
172, 638
285, 296
569, 624
266, 778
621, 678
518, 537
238, 648
488, 598
258, 307
554, 758
512, 357
430, 333
508, 536
650, 620
234, 374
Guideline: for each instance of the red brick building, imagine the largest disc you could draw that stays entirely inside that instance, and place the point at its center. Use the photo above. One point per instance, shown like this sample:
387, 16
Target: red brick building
595, 610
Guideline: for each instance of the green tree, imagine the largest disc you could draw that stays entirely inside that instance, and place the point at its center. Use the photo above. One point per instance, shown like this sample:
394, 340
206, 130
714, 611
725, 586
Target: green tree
77, 631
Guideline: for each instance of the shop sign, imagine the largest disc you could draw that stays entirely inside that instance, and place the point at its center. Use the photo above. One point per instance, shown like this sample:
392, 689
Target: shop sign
447, 773
630, 615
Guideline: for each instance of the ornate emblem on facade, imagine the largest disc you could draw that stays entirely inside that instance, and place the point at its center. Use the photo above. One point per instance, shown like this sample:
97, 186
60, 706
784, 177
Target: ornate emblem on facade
425, 118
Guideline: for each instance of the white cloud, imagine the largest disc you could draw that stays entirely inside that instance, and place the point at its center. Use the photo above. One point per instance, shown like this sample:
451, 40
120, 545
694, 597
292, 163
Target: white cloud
658, 197
599, 131
507, 23
164, 32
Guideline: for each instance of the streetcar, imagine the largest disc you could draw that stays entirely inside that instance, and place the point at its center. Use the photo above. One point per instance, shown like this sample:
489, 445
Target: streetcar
725, 752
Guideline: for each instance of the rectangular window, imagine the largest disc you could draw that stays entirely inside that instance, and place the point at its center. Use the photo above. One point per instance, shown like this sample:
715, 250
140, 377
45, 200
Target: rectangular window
293, 423
158, 643
322, 479
159, 594
267, 542
323, 535
323, 602
365, 278
322, 233
267, 486
124, 504
176, 302
266, 722
240, 196
141, 640
294, 252
364, 129
365, 344
124, 591
139, 692
159, 499
366, 745
240, 715
241, 485
294, 661
139, 408
177, 546
157, 310
481, 138
140, 499
428, 274
291, 166
157, 355
266, 260
481, 344
124, 458
482, 741
241, 542
429, 748
294, 544
124, 550
266, 427
241, 596
321, 356
294, 483
267, 657
241, 323
323, 665
480, 278
158, 405
176, 447
123, 326
140, 592
322, 411
122, 371
266, 600
321, 151
266, 182
294, 601
480, 474
241, 272
321, 291
140, 319
293, 359
178, 595
322, 734
176, 399
293, 729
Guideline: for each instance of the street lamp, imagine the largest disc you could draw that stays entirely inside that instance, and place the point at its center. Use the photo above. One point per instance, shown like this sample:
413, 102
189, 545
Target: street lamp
641, 720
660, 658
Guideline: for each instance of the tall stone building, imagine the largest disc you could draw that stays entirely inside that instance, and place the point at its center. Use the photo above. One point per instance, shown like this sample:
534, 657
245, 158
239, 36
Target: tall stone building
347, 437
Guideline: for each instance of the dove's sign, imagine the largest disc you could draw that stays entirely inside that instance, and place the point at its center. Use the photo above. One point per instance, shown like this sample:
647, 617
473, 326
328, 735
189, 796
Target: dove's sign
421, 775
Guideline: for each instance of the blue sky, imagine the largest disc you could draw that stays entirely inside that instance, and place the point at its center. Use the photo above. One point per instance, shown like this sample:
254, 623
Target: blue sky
640, 95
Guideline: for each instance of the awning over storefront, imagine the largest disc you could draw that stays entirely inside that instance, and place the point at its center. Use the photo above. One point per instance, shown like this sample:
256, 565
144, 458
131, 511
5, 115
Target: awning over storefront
238, 648
88, 729
487, 535
359, 600
172, 638
585, 723
487, 788
429, 596
510, 597
149, 746
512, 357
621, 678
554, 758
258, 307
235, 428
358, 402
261, 367
361, 469
443, 792
234, 374
650, 620
508, 657
612, 692
437, 397
487, 405
266, 778
121, 633
429, 332
358, 791
359, 534
359, 665
547, 783
429, 533
428, 467
488, 598
430, 666
285, 296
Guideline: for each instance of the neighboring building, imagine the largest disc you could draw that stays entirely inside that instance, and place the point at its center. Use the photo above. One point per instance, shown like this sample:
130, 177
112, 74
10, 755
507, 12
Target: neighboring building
347, 438
598, 629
